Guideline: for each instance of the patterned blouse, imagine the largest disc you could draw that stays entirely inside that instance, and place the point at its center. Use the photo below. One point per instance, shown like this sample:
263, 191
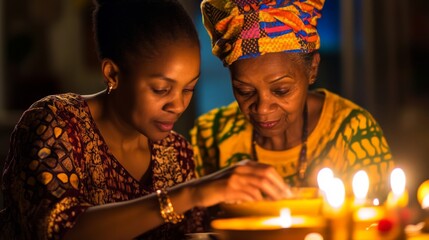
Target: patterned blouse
346, 139
59, 165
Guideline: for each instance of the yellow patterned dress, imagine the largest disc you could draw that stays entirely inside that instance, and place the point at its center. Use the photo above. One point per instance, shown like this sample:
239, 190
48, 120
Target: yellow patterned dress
346, 139
59, 165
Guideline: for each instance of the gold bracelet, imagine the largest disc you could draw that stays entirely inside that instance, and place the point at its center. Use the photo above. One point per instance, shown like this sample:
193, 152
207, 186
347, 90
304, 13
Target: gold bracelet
167, 210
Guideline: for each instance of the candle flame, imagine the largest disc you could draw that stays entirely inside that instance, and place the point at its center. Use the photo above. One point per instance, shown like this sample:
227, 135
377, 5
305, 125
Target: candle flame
285, 218
336, 193
376, 202
360, 185
397, 181
284, 221
324, 177
425, 202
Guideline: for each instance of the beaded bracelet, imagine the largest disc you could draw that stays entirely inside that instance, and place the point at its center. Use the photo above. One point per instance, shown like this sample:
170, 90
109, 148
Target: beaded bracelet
167, 210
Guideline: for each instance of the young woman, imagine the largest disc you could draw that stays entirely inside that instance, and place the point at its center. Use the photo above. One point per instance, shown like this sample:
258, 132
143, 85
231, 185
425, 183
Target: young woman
109, 165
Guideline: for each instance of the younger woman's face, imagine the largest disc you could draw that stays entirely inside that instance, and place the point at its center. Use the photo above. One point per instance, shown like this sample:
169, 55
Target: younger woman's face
159, 89
271, 91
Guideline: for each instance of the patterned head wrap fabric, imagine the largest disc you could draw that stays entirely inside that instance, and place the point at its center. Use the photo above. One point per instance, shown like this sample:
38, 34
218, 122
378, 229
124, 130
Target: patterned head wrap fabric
242, 29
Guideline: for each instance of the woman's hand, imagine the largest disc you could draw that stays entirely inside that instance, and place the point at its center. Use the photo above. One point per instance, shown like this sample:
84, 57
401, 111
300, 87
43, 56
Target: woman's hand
245, 181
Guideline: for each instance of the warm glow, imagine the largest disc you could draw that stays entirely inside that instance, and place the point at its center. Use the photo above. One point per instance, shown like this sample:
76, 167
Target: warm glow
397, 181
285, 219
271, 223
425, 202
336, 193
324, 177
360, 185
369, 214
313, 236
395, 201
376, 202
423, 191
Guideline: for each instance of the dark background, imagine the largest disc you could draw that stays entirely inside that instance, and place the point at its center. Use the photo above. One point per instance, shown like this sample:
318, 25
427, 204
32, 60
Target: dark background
373, 52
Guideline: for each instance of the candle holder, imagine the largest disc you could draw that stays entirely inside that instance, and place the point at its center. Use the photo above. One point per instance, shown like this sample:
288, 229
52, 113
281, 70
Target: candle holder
366, 220
270, 228
305, 201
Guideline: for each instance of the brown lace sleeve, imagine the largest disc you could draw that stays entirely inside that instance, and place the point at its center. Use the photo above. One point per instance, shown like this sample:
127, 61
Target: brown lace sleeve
40, 178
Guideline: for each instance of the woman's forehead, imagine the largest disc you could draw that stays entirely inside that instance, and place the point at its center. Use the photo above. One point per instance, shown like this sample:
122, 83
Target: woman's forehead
267, 62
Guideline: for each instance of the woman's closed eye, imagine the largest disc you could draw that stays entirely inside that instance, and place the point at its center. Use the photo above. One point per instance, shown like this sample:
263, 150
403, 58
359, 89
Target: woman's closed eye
189, 90
281, 91
160, 91
244, 92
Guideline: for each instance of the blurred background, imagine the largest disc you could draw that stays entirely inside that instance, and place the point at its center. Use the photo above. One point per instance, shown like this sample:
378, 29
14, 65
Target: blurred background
375, 53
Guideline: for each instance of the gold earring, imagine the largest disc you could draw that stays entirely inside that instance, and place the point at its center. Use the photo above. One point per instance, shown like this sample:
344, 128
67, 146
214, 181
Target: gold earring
109, 89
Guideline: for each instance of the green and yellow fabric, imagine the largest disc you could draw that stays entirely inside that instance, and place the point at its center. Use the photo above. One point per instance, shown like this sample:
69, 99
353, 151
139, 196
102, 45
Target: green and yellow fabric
346, 139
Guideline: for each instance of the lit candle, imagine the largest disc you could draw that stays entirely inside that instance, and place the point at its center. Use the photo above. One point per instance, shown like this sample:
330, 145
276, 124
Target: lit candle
398, 197
360, 186
336, 209
423, 193
423, 199
335, 194
365, 222
365, 218
273, 228
324, 177
396, 204
306, 201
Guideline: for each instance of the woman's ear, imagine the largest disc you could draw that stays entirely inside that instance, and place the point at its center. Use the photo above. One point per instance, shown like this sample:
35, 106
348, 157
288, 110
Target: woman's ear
110, 73
314, 67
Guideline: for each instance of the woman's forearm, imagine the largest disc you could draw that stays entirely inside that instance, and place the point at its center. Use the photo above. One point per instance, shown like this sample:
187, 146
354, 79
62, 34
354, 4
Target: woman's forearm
245, 181
129, 219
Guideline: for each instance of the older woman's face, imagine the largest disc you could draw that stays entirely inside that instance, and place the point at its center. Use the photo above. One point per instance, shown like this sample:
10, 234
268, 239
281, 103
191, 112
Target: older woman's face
271, 90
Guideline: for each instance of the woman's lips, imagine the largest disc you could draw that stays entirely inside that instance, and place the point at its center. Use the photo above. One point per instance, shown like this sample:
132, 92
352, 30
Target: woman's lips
165, 126
268, 124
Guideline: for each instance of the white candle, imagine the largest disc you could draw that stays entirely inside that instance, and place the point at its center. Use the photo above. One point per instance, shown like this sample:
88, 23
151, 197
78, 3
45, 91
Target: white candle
336, 193
324, 177
360, 187
398, 197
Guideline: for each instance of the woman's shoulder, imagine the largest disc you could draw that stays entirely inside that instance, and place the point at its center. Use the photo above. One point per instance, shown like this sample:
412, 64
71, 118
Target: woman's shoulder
336, 104
58, 101
343, 110
59, 107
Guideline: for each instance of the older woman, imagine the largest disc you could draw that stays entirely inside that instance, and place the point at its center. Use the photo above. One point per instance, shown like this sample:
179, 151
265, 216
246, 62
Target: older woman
270, 48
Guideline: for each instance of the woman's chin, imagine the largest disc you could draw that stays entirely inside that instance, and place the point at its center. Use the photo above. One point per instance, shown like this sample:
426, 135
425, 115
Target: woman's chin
158, 136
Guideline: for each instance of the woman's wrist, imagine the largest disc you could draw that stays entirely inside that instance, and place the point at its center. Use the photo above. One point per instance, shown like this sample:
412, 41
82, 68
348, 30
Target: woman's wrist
205, 193
166, 208
194, 191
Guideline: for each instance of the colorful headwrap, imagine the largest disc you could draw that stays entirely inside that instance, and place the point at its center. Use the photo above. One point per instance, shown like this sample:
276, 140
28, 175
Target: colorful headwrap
242, 29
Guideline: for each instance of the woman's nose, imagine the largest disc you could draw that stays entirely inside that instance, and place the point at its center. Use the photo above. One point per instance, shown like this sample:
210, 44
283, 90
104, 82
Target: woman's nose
263, 104
177, 104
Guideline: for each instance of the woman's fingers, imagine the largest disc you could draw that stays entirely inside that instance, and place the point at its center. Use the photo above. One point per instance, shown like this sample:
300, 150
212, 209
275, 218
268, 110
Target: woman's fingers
242, 188
243, 182
266, 178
